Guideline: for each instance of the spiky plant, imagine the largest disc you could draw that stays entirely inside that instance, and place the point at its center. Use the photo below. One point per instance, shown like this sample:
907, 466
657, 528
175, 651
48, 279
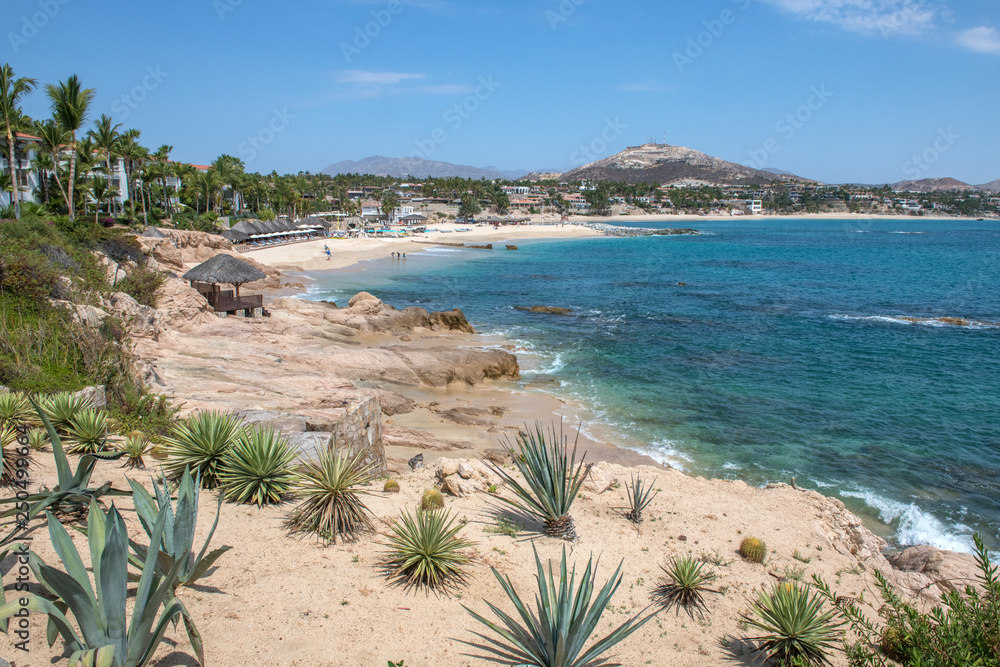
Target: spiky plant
552, 479
431, 500
135, 447
38, 439
566, 618
753, 549
87, 432
639, 497
426, 550
391, 486
331, 505
258, 467
796, 629
8, 442
200, 443
685, 584
15, 409
62, 407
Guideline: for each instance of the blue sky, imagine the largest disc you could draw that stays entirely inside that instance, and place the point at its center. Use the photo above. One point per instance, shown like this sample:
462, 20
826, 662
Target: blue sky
838, 90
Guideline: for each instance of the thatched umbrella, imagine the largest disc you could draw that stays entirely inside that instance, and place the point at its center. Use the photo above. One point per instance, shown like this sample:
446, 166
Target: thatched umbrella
235, 235
225, 269
154, 233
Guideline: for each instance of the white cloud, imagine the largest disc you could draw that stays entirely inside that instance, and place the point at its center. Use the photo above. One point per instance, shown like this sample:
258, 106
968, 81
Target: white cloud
366, 78
982, 40
885, 17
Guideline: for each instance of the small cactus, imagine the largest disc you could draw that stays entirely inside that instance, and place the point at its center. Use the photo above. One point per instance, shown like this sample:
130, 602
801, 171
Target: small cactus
753, 549
391, 486
432, 500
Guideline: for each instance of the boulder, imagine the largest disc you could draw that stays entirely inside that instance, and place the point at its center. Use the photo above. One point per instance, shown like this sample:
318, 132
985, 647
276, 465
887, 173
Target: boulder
462, 478
497, 456
545, 310
451, 320
96, 396
944, 570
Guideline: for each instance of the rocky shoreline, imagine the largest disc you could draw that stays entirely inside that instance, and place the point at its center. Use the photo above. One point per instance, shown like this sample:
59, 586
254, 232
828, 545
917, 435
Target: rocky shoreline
631, 232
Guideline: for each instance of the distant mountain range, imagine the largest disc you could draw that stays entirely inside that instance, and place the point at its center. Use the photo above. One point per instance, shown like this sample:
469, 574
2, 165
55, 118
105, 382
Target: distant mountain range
651, 163
419, 168
663, 163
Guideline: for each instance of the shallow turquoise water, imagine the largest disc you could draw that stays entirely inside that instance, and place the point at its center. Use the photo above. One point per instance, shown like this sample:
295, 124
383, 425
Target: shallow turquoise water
783, 353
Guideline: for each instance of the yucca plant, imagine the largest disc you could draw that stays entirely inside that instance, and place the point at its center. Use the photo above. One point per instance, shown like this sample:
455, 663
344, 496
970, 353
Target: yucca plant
258, 467
639, 497
87, 432
134, 448
38, 439
177, 540
10, 455
331, 505
15, 409
199, 444
797, 630
72, 495
107, 636
566, 618
426, 550
552, 479
62, 407
685, 584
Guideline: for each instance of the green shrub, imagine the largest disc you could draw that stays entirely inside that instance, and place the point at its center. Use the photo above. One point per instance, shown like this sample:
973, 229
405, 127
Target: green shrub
332, 507
15, 409
753, 549
142, 284
258, 467
964, 630
200, 443
62, 408
426, 550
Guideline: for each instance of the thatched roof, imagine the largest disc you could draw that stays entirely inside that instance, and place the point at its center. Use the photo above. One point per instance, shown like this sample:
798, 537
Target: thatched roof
154, 233
224, 269
235, 235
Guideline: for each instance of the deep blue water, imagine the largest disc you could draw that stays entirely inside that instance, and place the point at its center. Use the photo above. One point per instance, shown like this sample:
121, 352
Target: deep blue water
783, 353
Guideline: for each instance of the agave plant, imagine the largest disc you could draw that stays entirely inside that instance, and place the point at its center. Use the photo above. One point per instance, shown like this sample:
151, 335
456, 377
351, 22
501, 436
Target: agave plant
552, 480
177, 539
199, 444
797, 630
108, 636
331, 507
87, 432
686, 583
134, 448
15, 409
639, 497
258, 467
566, 618
426, 550
61, 408
8, 437
72, 495
38, 439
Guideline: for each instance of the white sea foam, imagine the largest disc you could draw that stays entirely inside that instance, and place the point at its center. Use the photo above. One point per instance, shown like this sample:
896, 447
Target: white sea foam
915, 526
921, 321
667, 453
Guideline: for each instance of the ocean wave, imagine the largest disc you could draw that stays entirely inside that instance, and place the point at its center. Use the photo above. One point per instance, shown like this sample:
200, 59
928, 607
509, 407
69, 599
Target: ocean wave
665, 452
949, 322
907, 232
914, 525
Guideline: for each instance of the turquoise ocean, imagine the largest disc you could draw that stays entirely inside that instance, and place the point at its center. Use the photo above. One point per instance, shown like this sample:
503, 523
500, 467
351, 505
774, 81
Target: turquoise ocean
760, 350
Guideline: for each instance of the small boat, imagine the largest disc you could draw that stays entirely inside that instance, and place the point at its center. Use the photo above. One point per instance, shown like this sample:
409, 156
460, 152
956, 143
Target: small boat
512, 247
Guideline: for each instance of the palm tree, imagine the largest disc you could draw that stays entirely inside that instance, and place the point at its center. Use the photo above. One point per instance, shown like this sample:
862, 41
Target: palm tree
102, 191
162, 155
106, 138
70, 105
390, 202
206, 183
53, 144
44, 165
11, 91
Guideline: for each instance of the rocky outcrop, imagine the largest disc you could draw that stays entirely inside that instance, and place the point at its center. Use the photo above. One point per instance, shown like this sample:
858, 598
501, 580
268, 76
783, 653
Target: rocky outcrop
414, 439
933, 572
182, 249
451, 320
463, 477
368, 313
439, 367
547, 310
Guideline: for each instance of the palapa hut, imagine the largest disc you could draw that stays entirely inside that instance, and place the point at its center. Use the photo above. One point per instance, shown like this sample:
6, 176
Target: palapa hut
154, 233
226, 269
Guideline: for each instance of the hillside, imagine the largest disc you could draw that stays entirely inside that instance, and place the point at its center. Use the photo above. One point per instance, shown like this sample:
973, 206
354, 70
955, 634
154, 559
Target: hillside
933, 185
663, 163
417, 168
992, 186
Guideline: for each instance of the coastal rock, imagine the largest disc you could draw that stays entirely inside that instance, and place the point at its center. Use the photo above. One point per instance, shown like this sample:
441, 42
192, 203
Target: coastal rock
936, 570
84, 315
462, 478
467, 416
451, 320
414, 439
439, 367
497, 456
142, 321
547, 310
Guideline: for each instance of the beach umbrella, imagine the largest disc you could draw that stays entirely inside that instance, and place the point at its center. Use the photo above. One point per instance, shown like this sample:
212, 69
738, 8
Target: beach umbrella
235, 235
225, 269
